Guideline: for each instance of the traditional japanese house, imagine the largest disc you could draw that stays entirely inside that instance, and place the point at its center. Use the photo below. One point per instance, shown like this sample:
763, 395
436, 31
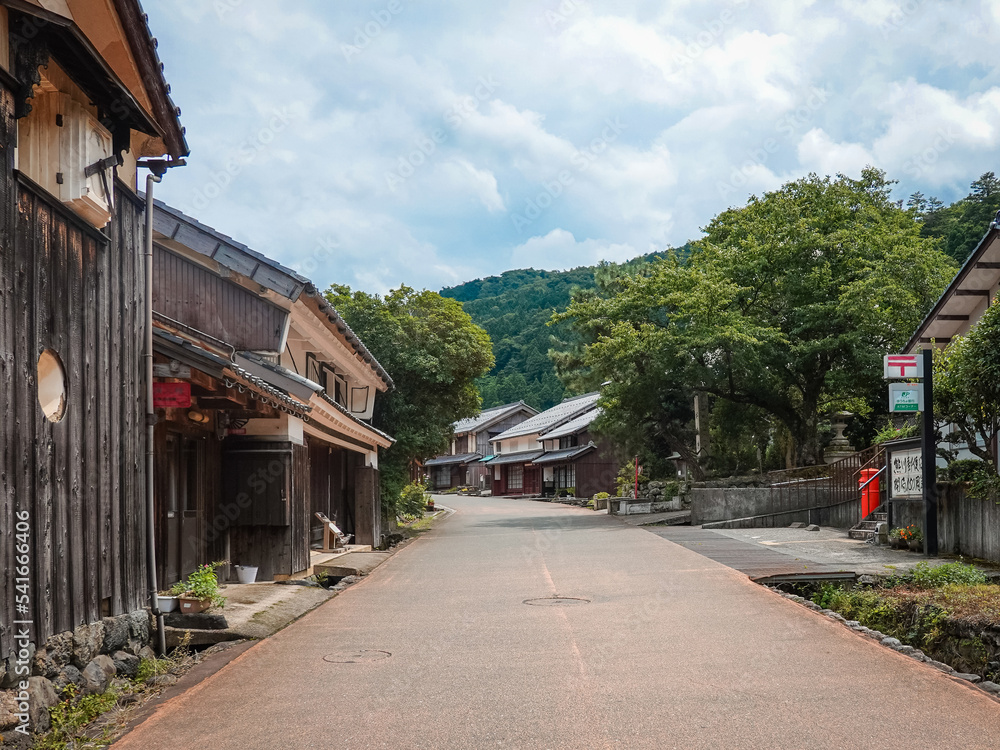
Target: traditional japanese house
463, 465
265, 392
574, 461
82, 98
514, 471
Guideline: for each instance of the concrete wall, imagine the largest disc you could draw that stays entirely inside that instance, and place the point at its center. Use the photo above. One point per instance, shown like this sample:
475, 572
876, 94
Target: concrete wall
769, 507
966, 526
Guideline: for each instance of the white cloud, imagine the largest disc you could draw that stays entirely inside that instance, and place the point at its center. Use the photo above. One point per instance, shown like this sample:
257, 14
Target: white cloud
559, 250
819, 153
480, 111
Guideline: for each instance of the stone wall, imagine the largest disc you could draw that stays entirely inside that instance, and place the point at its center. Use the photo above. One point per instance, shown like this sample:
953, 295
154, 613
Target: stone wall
87, 657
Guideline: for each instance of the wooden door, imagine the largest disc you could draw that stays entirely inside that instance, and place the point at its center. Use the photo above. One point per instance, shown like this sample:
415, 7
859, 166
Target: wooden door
183, 504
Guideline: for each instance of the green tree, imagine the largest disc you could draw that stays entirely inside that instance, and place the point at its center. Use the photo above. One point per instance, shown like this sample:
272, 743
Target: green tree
967, 387
961, 225
434, 353
785, 305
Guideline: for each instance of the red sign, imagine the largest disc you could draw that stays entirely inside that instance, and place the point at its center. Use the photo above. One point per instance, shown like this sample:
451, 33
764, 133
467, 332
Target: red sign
166, 395
903, 366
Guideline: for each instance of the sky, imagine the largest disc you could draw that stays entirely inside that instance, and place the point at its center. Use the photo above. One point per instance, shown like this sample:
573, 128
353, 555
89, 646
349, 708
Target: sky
429, 143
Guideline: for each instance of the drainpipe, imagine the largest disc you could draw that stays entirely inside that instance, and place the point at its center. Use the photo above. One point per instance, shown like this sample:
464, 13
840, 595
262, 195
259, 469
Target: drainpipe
161, 637
156, 170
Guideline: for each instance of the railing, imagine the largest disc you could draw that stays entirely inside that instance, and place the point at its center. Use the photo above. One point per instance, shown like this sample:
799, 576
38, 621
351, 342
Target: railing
818, 486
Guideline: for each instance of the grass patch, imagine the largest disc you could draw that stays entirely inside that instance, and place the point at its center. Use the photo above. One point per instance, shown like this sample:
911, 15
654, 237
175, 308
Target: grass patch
945, 611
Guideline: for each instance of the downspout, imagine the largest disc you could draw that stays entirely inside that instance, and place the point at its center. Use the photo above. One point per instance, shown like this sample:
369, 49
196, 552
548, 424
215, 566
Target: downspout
156, 169
161, 637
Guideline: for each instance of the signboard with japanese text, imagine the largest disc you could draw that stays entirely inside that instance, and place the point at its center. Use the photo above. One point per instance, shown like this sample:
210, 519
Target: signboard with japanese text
901, 366
167, 395
906, 472
906, 398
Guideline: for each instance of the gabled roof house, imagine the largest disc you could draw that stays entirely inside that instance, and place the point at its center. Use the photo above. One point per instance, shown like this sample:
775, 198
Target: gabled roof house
553, 453
463, 464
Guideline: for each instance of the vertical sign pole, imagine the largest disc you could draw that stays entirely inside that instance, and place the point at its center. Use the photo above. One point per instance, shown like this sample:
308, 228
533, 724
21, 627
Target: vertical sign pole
929, 448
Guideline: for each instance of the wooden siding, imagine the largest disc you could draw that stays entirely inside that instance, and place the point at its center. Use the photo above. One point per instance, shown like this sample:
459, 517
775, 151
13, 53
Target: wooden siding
67, 287
197, 297
275, 550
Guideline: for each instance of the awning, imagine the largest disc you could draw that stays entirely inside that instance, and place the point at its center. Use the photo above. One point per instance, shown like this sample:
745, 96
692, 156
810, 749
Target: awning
461, 458
566, 455
525, 457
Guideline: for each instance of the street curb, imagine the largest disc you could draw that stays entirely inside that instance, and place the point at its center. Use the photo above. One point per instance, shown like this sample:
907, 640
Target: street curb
990, 689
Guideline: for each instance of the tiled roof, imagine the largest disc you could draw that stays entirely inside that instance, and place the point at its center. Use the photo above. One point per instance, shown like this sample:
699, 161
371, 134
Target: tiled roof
524, 457
447, 460
575, 425
494, 413
564, 456
554, 417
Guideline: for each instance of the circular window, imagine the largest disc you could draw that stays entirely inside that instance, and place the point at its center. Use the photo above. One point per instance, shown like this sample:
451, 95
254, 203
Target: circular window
51, 385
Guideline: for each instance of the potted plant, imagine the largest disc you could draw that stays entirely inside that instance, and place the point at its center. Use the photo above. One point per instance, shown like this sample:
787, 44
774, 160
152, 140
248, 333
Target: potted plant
896, 540
166, 601
201, 589
914, 537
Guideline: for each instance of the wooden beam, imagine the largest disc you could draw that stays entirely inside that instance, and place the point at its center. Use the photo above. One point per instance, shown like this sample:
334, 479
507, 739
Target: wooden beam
204, 380
952, 317
972, 292
985, 264
936, 340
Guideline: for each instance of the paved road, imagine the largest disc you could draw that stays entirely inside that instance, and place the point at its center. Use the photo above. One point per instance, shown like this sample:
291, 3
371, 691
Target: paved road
673, 651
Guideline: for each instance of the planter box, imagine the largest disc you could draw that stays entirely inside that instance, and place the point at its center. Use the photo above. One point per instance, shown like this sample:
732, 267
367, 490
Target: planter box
190, 606
166, 603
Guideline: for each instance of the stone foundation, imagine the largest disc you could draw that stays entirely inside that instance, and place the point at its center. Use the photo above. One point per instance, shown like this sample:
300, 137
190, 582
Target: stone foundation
87, 657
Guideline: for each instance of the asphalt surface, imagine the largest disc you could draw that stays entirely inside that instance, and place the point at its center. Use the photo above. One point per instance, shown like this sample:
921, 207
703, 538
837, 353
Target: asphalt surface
437, 649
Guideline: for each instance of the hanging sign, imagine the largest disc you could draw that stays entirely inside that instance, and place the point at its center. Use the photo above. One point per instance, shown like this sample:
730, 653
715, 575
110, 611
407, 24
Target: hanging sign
167, 395
902, 366
906, 398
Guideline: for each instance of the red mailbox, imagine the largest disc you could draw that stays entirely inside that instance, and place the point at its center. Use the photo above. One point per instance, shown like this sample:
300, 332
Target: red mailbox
870, 493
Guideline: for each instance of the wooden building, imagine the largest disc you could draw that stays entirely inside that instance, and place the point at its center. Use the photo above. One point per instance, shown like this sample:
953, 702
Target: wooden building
575, 461
967, 297
82, 98
464, 465
275, 390
552, 452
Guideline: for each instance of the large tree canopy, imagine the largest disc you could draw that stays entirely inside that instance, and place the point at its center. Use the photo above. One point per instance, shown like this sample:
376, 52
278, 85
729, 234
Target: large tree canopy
785, 306
434, 352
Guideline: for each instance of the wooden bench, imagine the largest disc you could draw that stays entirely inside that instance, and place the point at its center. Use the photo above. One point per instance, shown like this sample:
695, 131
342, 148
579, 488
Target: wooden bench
332, 536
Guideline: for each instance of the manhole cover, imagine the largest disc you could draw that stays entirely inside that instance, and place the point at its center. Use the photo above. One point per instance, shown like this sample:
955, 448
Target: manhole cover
357, 657
557, 601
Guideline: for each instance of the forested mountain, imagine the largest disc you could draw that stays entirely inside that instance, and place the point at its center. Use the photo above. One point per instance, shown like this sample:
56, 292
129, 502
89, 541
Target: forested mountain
515, 309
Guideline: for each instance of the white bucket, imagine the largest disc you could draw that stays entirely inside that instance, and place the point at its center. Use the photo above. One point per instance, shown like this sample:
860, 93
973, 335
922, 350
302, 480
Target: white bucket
246, 573
166, 603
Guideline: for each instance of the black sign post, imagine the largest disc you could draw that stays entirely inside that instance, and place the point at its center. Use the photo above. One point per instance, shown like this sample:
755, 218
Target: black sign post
929, 453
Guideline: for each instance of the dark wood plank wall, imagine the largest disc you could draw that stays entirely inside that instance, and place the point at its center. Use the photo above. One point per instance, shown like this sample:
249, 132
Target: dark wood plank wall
9, 371
77, 291
253, 537
199, 298
595, 471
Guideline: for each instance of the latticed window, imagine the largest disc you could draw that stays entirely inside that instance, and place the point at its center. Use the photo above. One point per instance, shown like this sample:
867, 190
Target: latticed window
565, 476
515, 477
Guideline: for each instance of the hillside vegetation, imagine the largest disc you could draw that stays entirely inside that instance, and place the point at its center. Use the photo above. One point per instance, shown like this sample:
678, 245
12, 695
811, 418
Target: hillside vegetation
516, 308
